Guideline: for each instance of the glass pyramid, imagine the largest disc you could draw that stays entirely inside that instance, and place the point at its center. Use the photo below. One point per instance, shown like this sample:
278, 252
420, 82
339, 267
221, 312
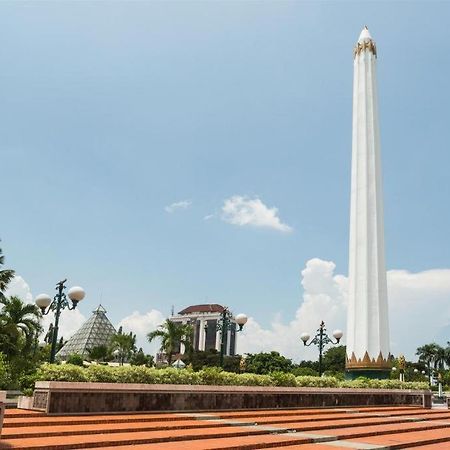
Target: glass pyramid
97, 330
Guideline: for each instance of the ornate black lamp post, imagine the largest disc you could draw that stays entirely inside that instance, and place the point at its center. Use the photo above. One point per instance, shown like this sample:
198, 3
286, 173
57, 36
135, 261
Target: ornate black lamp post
321, 339
225, 323
57, 304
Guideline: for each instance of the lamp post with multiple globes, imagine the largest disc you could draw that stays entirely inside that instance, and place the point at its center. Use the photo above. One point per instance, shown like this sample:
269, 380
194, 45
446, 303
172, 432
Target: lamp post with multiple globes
321, 339
57, 304
226, 323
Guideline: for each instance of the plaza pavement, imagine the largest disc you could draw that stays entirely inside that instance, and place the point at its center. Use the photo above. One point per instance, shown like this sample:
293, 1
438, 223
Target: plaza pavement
305, 429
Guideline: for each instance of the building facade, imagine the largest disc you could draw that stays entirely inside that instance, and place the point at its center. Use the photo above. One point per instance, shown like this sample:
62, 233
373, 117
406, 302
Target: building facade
207, 335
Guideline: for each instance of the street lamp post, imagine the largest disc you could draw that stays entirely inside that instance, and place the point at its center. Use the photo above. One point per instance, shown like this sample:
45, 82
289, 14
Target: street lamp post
321, 339
226, 323
57, 304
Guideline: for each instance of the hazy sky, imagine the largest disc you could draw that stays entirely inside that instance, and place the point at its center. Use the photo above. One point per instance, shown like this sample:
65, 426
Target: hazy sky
145, 145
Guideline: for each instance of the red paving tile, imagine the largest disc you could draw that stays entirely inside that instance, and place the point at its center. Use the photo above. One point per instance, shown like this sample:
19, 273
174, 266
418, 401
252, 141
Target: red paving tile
378, 426
127, 427
243, 442
402, 440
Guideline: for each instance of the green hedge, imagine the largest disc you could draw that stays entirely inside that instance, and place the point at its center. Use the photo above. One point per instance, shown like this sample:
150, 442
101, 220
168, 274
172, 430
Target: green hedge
209, 376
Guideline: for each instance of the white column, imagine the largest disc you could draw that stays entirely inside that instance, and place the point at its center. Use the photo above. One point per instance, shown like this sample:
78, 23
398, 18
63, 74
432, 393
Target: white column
367, 323
228, 351
202, 336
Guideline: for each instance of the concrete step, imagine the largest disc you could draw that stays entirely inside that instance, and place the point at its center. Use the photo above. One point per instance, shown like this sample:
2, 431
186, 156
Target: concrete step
217, 430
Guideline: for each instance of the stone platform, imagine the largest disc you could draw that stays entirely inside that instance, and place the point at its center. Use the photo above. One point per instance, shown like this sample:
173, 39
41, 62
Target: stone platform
71, 398
304, 429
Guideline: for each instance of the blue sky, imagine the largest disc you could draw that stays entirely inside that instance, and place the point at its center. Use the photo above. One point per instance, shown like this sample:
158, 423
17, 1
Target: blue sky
111, 111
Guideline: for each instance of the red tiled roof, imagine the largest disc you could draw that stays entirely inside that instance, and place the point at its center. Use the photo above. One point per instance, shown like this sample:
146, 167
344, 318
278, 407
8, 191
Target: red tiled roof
211, 308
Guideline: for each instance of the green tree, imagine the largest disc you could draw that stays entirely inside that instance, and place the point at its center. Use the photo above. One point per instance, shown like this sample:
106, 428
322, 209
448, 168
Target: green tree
264, 363
211, 358
123, 345
100, 353
75, 359
304, 371
334, 359
6, 275
428, 355
20, 325
439, 358
5, 372
172, 335
139, 358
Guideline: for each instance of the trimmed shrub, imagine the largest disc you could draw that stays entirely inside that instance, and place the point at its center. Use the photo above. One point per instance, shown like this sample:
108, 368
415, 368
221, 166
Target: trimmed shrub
317, 382
63, 372
208, 376
75, 359
283, 379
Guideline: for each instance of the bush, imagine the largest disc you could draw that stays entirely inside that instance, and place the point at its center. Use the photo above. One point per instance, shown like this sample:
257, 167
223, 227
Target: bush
26, 383
63, 372
5, 375
283, 379
367, 383
207, 376
75, 359
317, 382
304, 371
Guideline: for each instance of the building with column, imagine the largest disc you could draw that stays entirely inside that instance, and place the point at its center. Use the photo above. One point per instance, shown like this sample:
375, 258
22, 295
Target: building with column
204, 319
367, 322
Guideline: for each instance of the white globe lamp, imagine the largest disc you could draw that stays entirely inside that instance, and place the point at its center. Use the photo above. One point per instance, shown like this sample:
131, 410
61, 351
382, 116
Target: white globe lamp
43, 301
76, 294
338, 335
241, 320
305, 337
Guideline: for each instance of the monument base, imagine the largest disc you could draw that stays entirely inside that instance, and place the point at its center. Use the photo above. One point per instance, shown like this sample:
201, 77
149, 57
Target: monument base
373, 374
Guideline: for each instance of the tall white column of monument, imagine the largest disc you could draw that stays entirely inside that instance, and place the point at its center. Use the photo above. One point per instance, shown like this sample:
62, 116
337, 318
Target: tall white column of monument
367, 321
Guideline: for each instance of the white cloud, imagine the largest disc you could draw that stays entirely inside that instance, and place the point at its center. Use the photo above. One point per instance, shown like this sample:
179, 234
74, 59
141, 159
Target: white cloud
323, 299
242, 211
18, 287
418, 304
184, 204
70, 321
141, 325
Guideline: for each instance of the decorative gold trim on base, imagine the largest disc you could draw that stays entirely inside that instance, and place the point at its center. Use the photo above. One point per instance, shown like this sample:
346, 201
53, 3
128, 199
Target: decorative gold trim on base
365, 45
367, 363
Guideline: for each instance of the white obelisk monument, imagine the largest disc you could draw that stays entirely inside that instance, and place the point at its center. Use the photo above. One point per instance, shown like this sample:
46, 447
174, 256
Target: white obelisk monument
367, 322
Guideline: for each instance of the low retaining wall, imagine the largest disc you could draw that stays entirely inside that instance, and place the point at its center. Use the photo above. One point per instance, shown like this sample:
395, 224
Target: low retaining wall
56, 397
2, 408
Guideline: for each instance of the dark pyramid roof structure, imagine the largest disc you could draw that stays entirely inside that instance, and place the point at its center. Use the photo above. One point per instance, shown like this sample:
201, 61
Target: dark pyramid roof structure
97, 330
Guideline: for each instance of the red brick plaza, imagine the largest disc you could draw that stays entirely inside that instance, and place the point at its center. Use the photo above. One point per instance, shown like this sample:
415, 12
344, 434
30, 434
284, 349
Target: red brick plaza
305, 429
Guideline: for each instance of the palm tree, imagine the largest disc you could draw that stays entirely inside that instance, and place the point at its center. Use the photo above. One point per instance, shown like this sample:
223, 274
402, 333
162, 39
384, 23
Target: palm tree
439, 358
428, 354
19, 324
6, 276
123, 345
172, 335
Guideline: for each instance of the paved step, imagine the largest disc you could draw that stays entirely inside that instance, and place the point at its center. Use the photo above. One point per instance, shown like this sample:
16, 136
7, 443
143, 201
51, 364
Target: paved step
47, 420
275, 417
22, 413
33, 431
313, 411
344, 428
411, 439
74, 425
